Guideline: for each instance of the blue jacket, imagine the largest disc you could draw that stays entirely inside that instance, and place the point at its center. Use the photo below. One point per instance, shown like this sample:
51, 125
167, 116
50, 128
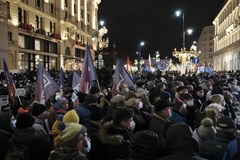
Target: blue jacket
232, 149
177, 117
83, 112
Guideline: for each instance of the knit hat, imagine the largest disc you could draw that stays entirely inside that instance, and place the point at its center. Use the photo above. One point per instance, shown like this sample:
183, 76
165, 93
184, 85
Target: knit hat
96, 114
206, 131
217, 90
90, 99
94, 90
71, 132
198, 88
165, 95
60, 101
225, 123
24, 120
161, 104
68, 90
122, 113
131, 102
71, 116
38, 109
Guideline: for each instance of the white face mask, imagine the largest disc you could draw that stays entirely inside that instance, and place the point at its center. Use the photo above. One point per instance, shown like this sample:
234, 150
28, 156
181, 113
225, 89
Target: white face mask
140, 105
190, 103
126, 90
132, 126
87, 146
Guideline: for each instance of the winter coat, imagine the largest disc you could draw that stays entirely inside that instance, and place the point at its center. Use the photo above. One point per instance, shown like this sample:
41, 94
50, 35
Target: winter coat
159, 125
5, 132
66, 153
177, 117
214, 149
117, 142
231, 151
84, 112
181, 146
38, 145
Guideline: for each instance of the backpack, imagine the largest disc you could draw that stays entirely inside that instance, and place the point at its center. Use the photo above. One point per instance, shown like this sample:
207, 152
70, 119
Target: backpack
18, 152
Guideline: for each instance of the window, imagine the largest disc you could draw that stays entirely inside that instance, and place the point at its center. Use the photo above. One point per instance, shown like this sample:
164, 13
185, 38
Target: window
39, 22
210, 55
8, 10
51, 8
21, 41
38, 3
68, 51
66, 3
210, 49
10, 36
52, 47
66, 15
37, 44
22, 16
29, 42
52, 27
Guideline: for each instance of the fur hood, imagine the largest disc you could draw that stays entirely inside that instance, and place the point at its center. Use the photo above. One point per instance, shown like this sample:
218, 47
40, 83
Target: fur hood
109, 134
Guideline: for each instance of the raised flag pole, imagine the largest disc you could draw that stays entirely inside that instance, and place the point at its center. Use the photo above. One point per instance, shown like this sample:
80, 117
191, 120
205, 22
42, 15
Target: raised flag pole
17, 95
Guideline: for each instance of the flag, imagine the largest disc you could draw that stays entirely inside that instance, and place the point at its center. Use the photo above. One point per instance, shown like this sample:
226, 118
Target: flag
88, 72
10, 82
149, 62
61, 80
46, 86
75, 86
121, 75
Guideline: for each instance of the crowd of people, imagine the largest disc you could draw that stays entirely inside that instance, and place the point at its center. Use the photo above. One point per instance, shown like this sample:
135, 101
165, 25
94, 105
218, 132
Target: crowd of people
164, 116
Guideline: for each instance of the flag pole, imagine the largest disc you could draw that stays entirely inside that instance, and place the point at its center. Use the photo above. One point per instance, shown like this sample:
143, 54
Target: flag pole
17, 95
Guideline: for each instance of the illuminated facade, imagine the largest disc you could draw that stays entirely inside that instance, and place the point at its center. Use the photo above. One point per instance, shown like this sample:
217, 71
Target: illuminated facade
227, 37
52, 31
205, 45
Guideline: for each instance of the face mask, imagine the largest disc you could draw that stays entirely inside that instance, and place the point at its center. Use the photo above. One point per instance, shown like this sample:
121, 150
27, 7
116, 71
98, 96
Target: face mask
126, 90
190, 103
13, 123
132, 126
105, 93
224, 103
140, 105
87, 146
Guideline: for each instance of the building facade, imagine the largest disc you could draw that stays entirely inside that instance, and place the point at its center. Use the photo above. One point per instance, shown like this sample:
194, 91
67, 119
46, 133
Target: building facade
227, 37
52, 31
206, 46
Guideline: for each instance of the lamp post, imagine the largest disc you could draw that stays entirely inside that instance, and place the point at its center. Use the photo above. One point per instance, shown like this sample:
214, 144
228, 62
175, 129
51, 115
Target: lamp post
183, 55
139, 55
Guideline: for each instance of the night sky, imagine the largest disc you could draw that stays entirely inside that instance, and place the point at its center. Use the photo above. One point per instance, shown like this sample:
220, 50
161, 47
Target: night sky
154, 21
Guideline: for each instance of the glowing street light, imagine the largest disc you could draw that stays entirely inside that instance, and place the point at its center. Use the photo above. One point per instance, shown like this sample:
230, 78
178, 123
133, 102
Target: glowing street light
101, 23
142, 43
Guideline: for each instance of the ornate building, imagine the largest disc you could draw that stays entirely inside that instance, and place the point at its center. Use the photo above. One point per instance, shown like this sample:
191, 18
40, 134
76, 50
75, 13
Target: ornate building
52, 31
227, 37
205, 45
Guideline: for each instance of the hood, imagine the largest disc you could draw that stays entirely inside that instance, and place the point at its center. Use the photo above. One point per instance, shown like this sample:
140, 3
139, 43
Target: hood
185, 142
109, 134
23, 135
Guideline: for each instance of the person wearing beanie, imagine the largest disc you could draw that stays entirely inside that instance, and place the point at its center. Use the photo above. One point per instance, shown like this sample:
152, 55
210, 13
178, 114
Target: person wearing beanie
215, 148
93, 126
205, 131
160, 120
84, 110
70, 117
117, 135
199, 98
75, 143
179, 112
40, 114
24, 134
67, 93
101, 100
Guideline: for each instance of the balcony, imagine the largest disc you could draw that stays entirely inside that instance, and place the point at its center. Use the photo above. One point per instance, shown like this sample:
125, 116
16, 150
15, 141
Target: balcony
25, 26
56, 36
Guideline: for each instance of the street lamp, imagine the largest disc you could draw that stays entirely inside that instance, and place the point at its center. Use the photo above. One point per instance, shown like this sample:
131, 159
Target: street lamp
179, 13
139, 55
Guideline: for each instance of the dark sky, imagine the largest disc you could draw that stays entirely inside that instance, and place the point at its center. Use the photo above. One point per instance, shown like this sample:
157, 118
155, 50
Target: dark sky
154, 21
